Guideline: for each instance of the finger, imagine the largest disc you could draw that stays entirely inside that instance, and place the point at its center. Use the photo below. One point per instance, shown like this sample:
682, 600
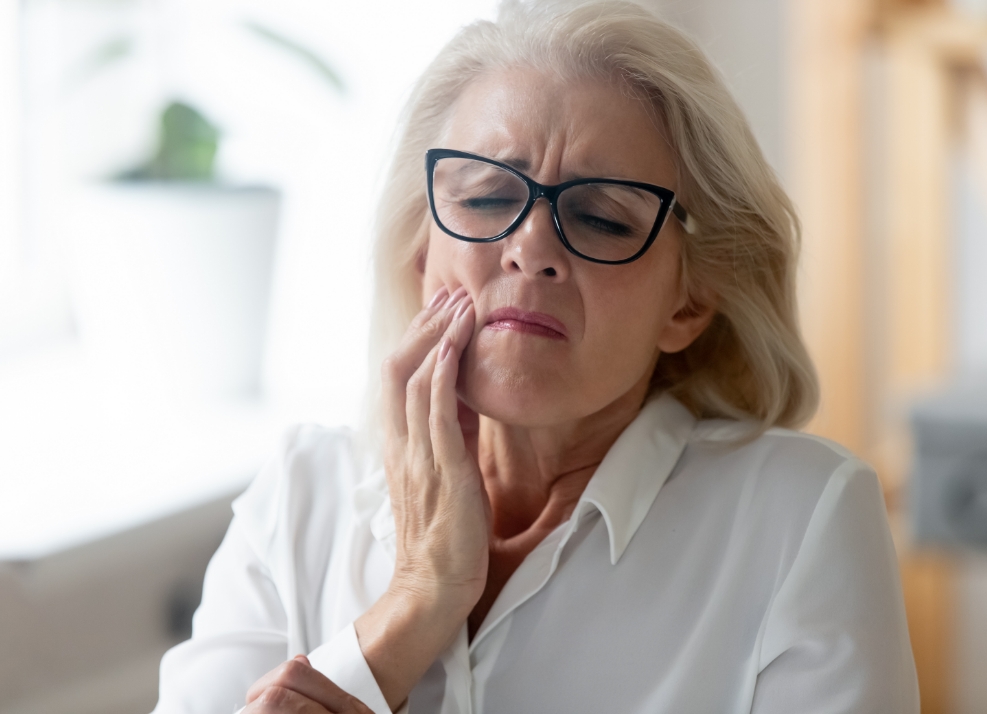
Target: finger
421, 336
258, 687
426, 329
419, 392
273, 677
418, 405
393, 369
298, 676
448, 442
280, 700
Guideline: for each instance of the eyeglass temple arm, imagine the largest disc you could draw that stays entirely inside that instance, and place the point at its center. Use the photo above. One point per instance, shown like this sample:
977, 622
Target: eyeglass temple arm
687, 221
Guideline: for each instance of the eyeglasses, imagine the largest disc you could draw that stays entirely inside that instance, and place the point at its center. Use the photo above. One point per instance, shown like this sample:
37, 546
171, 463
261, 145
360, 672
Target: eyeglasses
610, 221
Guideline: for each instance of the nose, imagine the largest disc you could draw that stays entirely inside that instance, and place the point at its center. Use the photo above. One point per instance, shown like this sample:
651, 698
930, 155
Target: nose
534, 248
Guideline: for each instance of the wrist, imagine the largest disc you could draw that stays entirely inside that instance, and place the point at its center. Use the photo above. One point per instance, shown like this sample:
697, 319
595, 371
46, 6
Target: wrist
432, 602
403, 634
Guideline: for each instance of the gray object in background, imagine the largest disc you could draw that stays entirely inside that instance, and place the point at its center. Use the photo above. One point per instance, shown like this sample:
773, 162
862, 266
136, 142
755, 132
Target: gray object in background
83, 630
949, 482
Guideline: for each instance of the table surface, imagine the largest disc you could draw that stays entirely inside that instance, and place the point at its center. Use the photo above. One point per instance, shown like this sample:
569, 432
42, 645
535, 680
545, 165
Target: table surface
82, 458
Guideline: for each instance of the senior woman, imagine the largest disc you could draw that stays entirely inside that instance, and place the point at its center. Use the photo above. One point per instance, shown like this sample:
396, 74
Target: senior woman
584, 494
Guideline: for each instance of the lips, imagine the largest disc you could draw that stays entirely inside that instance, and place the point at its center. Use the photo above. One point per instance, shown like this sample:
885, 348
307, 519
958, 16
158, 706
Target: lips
533, 323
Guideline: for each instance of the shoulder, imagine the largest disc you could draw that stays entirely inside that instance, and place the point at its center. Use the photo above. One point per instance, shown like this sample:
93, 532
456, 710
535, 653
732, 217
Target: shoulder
778, 455
316, 458
775, 484
314, 470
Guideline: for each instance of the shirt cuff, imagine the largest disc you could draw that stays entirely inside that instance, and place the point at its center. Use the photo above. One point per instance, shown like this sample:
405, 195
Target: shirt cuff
342, 661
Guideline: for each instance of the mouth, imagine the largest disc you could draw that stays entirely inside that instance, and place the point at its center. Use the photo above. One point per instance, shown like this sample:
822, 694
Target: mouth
532, 323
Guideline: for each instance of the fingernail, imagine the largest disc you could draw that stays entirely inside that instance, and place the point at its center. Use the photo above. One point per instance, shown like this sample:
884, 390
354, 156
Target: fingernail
444, 348
457, 295
463, 307
439, 296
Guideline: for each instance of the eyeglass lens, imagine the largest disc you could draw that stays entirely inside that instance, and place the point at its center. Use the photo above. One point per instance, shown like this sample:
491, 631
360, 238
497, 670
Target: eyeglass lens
477, 200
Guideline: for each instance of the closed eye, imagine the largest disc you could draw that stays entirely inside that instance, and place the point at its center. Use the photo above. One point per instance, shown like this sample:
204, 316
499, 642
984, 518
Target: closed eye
488, 203
605, 226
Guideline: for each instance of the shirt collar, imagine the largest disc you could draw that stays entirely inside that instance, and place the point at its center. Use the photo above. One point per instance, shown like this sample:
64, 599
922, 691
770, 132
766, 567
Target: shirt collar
623, 488
635, 468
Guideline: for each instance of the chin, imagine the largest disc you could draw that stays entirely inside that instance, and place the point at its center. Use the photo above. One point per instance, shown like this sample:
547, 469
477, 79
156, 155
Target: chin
516, 379
506, 409
515, 396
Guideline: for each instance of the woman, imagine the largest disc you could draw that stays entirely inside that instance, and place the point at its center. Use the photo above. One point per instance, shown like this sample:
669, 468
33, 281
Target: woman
584, 496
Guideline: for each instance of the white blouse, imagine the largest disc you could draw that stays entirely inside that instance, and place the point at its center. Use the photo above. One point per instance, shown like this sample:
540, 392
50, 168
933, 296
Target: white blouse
694, 576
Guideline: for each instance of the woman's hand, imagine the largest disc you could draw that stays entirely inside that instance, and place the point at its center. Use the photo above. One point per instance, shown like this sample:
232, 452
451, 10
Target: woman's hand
441, 511
436, 490
298, 688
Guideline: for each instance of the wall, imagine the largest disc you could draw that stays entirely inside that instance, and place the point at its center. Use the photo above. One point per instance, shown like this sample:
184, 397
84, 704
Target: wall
746, 40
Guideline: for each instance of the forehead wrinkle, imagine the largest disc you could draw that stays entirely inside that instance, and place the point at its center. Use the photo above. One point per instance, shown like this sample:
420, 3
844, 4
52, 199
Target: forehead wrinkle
533, 124
506, 114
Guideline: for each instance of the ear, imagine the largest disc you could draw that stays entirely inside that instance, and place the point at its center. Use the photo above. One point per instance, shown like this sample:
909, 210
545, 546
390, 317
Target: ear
693, 315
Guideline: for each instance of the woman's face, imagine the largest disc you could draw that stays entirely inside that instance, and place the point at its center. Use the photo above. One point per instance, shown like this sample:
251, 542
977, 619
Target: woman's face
613, 320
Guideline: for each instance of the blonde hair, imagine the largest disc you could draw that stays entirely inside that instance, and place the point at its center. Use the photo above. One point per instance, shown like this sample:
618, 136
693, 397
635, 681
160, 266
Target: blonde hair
750, 363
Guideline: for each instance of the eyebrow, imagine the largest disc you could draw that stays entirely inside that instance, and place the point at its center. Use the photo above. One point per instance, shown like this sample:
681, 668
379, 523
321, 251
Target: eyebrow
516, 162
524, 165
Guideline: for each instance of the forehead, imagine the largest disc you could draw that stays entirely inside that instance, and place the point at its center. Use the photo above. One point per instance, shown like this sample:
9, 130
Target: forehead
557, 129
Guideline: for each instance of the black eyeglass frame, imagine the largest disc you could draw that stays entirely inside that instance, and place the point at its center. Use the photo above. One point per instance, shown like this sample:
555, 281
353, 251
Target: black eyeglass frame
551, 193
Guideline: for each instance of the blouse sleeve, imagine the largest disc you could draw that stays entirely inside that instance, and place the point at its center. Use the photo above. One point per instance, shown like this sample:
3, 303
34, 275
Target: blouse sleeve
836, 639
239, 634
242, 627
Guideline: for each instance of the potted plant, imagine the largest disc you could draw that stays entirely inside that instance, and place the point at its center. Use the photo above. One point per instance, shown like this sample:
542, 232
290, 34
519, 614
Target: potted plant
171, 266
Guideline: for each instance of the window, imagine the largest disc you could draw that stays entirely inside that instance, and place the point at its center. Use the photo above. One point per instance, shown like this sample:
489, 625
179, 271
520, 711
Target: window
122, 458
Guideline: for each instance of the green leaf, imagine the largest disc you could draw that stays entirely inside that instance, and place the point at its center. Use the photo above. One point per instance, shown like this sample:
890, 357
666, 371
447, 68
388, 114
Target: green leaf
103, 56
187, 148
301, 52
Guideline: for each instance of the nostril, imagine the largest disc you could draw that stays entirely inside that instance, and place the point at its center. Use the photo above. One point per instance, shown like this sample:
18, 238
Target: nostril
550, 272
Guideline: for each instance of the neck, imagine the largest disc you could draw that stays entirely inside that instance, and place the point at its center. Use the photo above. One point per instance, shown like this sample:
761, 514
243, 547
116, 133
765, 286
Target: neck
534, 476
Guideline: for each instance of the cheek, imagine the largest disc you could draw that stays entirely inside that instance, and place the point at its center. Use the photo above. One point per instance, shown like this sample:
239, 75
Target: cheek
621, 336
632, 311
452, 263
435, 264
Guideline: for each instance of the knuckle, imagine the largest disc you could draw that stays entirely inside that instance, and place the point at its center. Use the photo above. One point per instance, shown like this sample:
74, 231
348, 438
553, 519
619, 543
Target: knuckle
391, 368
393, 458
275, 696
431, 329
396, 460
421, 461
418, 383
436, 421
421, 319
291, 670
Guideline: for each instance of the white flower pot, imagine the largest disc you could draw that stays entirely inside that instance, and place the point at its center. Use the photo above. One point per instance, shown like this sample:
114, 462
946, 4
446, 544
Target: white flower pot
171, 283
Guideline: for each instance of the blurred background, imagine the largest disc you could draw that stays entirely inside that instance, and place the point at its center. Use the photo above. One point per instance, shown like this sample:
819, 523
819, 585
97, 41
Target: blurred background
186, 193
